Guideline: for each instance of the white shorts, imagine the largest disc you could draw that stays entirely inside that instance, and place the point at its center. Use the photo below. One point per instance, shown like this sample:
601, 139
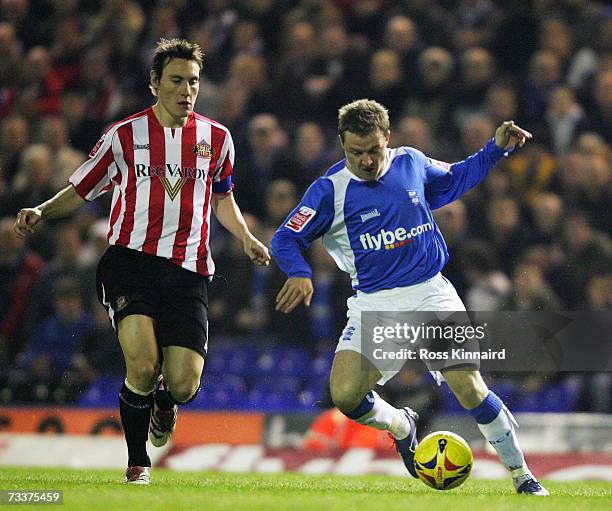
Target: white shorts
436, 294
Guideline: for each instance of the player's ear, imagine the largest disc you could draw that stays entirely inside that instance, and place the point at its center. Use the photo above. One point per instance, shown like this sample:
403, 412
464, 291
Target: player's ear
388, 136
341, 140
153, 82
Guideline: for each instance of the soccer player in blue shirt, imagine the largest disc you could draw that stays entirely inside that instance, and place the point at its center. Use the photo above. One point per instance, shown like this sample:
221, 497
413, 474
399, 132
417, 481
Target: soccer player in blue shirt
375, 199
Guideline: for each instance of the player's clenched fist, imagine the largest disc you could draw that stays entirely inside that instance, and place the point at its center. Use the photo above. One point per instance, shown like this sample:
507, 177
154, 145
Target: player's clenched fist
256, 251
508, 134
26, 220
295, 291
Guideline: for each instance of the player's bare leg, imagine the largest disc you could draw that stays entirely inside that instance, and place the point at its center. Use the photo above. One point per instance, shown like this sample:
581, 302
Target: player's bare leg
138, 343
497, 425
351, 382
178, 384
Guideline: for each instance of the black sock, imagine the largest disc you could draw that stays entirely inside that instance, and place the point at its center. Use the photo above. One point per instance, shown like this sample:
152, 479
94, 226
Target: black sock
135, 412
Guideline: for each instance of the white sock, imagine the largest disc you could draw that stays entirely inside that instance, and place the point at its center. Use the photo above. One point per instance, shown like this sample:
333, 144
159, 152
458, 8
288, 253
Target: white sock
385, 417
501, 434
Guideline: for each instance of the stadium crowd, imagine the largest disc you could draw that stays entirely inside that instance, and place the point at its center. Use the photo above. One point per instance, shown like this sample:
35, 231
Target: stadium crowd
535, 236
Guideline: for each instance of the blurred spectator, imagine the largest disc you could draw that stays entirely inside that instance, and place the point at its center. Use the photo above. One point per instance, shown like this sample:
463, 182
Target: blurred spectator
475, 132
402, 37
564, 119
546, 214
477, 22
312, 153
506, 229
531, 291
249, 72
299, 54
556, 36
501, 103
10, 55
532, 170
600, 113
488, 289
52, 353
430, 100
599, 292
104, 99
477, 69
585, 181
586, 252
65, 263
14, 137
335, 76
19, 270
267, 158
83, 128
119, 21
386, 81
53, 132
544, 75
33, 182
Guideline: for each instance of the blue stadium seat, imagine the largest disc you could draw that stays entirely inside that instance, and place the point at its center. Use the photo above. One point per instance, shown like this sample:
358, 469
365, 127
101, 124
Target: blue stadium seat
272, 401
103, 392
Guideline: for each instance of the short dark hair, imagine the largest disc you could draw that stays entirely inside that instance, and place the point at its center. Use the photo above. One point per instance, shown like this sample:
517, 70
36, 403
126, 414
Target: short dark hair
362, 117
168, 49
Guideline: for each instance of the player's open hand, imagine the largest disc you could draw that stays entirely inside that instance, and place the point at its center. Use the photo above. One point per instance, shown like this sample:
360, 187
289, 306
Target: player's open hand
295, 291
509, 134
256, 251
27, 219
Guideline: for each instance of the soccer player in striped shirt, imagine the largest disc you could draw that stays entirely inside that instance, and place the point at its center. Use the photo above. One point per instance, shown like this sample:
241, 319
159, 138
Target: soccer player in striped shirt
374, 212
167, 167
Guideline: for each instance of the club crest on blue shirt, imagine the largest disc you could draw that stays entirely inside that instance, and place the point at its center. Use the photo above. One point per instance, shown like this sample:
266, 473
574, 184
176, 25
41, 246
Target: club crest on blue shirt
414, 198
203, 149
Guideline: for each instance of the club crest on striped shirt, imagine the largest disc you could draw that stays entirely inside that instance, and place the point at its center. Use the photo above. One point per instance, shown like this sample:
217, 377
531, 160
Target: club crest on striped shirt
203, 149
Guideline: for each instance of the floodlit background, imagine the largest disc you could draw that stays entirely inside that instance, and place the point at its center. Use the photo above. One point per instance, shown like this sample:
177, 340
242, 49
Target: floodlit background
535, 236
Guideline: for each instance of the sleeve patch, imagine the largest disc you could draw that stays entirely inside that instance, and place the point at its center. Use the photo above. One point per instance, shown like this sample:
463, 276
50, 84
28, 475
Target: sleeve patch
441, 164
97, 146
300, 219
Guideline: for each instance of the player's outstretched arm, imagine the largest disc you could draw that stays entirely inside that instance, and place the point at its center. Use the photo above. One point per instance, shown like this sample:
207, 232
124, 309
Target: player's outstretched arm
230, 217
295, 291
62, 204
508, 134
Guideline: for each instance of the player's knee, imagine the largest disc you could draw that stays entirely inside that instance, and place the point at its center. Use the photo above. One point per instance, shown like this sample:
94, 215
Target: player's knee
346, 397
183, 390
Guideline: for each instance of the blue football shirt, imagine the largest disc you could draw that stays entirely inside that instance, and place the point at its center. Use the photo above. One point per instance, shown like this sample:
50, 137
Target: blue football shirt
380, 232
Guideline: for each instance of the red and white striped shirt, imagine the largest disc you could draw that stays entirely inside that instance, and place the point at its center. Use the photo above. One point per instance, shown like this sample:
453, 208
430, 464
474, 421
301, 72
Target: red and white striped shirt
163, 179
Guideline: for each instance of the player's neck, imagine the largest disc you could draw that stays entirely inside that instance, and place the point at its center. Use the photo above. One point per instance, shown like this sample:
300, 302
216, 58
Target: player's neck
166, 120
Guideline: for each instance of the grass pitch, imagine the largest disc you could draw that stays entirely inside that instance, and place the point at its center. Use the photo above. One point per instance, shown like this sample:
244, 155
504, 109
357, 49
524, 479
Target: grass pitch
92, 490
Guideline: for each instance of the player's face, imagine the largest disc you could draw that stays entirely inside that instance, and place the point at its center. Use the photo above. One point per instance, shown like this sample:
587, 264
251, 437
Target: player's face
365, 156
177, 91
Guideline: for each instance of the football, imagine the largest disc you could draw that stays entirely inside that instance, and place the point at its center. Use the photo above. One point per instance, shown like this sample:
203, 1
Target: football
443, 460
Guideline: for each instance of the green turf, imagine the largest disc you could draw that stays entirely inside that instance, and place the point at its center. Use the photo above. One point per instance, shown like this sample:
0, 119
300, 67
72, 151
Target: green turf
92, 490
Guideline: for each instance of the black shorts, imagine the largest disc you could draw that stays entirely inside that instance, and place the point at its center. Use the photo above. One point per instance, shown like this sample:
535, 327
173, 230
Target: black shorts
133, 282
